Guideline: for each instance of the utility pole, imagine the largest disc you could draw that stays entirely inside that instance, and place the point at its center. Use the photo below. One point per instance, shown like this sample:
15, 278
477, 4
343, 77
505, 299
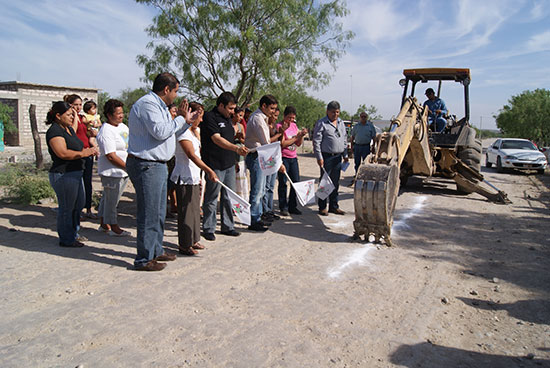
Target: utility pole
351, 95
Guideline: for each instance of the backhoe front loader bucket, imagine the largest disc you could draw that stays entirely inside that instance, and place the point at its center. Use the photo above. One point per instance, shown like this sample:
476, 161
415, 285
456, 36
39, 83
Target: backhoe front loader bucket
376, 189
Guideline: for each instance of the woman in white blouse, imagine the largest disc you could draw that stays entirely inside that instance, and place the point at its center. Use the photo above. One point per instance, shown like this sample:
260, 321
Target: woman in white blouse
187, 177
111, 166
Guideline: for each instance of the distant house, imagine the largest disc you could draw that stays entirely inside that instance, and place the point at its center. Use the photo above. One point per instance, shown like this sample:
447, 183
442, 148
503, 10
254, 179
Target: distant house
20, 96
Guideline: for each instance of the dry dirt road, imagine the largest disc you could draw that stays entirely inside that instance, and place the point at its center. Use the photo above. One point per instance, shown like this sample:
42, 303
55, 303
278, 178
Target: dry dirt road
467, 285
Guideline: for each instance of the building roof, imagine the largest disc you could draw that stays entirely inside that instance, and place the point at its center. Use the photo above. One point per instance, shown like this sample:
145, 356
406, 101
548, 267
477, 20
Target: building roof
46, 86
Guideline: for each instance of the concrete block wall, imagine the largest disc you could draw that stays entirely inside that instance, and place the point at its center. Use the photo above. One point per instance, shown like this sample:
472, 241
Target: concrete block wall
43, 96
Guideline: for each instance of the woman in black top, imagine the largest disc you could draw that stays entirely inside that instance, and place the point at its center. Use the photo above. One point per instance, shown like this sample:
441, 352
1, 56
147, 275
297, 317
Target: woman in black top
66, 172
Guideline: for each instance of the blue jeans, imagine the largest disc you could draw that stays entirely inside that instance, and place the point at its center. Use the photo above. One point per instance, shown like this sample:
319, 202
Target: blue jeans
69, 190
291, 166
267, 199
87, 178
211, 193
440, 123
333, 166
360, 151
257, 187
150, 182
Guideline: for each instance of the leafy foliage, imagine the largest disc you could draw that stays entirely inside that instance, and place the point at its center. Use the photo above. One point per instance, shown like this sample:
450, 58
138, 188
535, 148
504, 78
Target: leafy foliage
309, 109
371, 111
129, 97
102, 97
244, 46
527, 115
26, 184
5, 118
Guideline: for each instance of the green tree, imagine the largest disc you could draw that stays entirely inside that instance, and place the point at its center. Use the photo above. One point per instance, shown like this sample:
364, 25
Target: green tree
244, 46
371, 111
102, 97
129, 97
5, 118
527, 115
309, 109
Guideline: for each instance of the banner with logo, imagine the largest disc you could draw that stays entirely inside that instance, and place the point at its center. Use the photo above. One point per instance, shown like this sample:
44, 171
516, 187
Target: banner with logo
305, 190
241, 208
269, 158
325, 187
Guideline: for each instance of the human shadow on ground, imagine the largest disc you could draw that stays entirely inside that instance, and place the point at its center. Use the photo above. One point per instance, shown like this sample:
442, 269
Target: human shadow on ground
428, 355
41, 243
533, 311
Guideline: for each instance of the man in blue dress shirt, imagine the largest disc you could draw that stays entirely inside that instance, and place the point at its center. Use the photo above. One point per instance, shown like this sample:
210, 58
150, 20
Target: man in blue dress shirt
151, 143
437, 111
362, 134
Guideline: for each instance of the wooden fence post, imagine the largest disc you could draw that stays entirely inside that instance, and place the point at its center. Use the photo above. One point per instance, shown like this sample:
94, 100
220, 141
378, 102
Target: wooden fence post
36, 138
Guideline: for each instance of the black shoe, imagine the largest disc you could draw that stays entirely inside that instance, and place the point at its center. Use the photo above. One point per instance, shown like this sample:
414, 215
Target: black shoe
265, 223
258, 226
295, 211
284, 213
231, 233
270, 216
76, 244
209, 236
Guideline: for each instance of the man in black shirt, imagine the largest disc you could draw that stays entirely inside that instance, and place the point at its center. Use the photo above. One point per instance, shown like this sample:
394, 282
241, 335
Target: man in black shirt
218, 152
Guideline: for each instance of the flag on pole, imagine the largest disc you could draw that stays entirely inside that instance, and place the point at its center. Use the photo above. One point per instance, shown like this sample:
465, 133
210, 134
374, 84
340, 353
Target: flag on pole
305, 190
325, 187
241, 208
269, 158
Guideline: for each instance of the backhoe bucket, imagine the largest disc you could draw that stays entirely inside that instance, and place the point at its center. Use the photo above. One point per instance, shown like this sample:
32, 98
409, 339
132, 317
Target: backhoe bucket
376, 189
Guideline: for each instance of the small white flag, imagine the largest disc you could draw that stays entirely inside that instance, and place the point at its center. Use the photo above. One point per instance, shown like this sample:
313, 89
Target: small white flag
325, 187
241, 208
269, 158
305, 191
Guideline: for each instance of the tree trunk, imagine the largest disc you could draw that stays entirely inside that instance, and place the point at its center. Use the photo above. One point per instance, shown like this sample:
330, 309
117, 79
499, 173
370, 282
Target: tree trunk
36, 138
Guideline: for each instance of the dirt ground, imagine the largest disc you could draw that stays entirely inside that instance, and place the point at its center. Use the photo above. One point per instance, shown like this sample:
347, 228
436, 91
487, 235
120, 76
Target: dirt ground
467, 284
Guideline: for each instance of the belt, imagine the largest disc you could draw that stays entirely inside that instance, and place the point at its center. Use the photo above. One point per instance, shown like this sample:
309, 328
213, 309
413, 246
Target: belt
144, 160
331, 154
357, 144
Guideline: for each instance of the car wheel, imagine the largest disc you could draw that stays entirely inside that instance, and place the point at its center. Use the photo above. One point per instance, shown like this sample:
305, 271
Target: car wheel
488, 164
499, 165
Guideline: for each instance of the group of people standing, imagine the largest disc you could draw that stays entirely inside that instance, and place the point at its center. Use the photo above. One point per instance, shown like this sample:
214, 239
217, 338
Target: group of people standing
223, 146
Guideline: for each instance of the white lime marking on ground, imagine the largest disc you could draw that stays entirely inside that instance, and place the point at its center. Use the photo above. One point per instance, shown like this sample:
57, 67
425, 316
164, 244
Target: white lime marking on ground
361, 256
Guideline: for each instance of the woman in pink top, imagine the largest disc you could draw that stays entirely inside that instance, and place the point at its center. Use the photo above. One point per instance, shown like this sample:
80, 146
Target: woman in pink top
292, 139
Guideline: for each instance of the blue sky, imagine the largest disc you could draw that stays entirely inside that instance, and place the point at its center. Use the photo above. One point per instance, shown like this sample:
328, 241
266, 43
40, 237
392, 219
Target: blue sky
506, 44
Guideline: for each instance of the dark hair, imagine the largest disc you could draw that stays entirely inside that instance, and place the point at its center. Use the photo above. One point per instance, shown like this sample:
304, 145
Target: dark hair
110, 106
289, 110
268, 100
238, 110
194, 106
226, 98
88, 105
430, 90
333, 105
165, 79
71, 98
59, 107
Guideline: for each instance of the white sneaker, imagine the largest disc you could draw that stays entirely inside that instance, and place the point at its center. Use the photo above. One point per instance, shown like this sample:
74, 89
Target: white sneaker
102, 229
123, 233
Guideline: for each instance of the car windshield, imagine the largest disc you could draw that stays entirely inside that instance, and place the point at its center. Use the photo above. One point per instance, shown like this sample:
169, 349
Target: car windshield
523, 145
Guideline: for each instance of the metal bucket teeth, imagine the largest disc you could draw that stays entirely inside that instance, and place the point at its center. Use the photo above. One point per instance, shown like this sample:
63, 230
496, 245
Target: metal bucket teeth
375, 195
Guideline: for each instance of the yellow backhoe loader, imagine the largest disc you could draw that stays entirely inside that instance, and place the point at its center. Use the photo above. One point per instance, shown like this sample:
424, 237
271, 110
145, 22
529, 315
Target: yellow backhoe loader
410, 147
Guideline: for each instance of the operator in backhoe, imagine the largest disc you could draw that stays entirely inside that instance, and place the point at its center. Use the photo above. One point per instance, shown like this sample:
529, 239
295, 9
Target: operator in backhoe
437, 111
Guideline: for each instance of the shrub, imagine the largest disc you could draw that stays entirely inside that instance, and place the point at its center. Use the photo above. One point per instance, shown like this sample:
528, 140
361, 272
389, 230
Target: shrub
29, 189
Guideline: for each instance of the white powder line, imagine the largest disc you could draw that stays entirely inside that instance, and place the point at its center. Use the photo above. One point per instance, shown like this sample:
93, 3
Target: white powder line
361, 256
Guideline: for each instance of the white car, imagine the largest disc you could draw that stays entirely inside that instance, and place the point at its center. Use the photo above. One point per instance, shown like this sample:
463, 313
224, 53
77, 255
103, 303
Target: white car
515, 153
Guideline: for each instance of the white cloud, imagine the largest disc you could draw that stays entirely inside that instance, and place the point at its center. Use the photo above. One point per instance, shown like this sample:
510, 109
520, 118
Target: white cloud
539, 42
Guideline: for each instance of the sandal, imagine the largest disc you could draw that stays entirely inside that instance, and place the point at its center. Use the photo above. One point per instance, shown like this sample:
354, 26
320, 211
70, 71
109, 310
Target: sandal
198, 245
188, 251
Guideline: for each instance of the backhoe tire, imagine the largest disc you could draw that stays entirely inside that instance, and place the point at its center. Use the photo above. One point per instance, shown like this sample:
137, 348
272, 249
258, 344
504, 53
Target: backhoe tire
471, 156
487, 163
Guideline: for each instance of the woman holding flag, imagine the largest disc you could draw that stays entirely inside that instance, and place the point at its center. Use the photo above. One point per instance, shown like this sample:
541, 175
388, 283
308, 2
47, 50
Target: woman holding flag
292, 139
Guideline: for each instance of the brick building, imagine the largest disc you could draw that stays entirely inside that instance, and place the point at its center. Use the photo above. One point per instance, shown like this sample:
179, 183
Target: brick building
20, 96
